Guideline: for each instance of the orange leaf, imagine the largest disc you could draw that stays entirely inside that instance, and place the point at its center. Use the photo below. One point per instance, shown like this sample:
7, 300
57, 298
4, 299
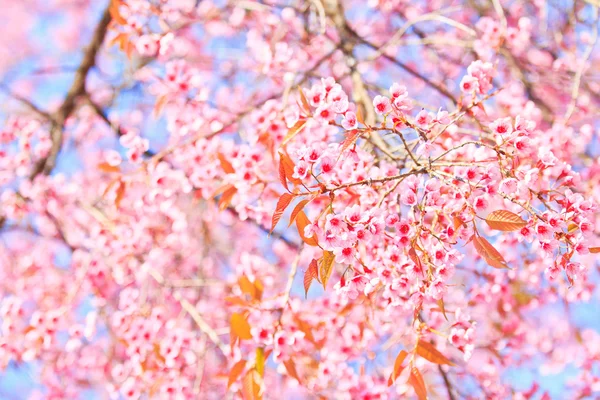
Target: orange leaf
359, 115
291, 369
416, 381
414, 257
235, 372
160, 104
106, 167
118, 39
120, 193
251, 386
282, 204
310, 274
303, 100
430, 353
397, 367
282, 175
305, 328
351, 138
226, 198
115, 13
594, 250
297, 209
234, 300
294, 130
225, 164
288, 166
301, 222
503, 220
326, 267
247, 287
240, 326
440, 303
489, 252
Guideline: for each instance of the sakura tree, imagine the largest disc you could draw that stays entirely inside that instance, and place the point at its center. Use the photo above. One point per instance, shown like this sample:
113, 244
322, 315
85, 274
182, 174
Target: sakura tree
324, 199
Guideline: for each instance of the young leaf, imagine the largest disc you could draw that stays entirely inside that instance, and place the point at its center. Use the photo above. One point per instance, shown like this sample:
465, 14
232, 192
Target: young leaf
120, 193
326, 267
440, 303
594, 250
297, 209
310, 274
416, 381
106, 167
251, 386
294, 130
360, 117
288, 167
488, 252
282, 204
115, 13
247, 287
282, 175
240, 326
226, 197
225, 164
349, 140
160, 104
430, 353
303, 100
503, 220
290, 367
260, 361
397, 367
235, 372
302, 222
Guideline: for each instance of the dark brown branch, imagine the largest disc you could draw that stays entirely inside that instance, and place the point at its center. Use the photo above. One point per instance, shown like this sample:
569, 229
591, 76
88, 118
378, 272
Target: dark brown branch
447, 383
76, 90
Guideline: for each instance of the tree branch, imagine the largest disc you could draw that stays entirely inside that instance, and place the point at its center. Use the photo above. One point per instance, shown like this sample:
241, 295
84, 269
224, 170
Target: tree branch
77, 89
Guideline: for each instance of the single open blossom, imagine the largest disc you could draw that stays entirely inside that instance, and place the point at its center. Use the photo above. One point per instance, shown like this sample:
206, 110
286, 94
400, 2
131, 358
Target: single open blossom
381, 104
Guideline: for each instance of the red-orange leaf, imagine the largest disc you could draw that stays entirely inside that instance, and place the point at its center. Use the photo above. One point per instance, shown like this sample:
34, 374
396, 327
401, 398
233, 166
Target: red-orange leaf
251, 386
240, 326
297, 209
303, 100
488, 252
326, 267
310, 274
302, 222
416, 381
293, 131
120, 193
282, 175
349, 140
397, 367
115, 13
235, 372
225, 164
282, 204
430, 353
226, 197
594, 250
291, 369
503, 220
288, 166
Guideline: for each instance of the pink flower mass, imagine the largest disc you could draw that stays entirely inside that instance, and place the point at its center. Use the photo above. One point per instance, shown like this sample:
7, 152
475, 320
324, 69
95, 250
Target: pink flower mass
283, 199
